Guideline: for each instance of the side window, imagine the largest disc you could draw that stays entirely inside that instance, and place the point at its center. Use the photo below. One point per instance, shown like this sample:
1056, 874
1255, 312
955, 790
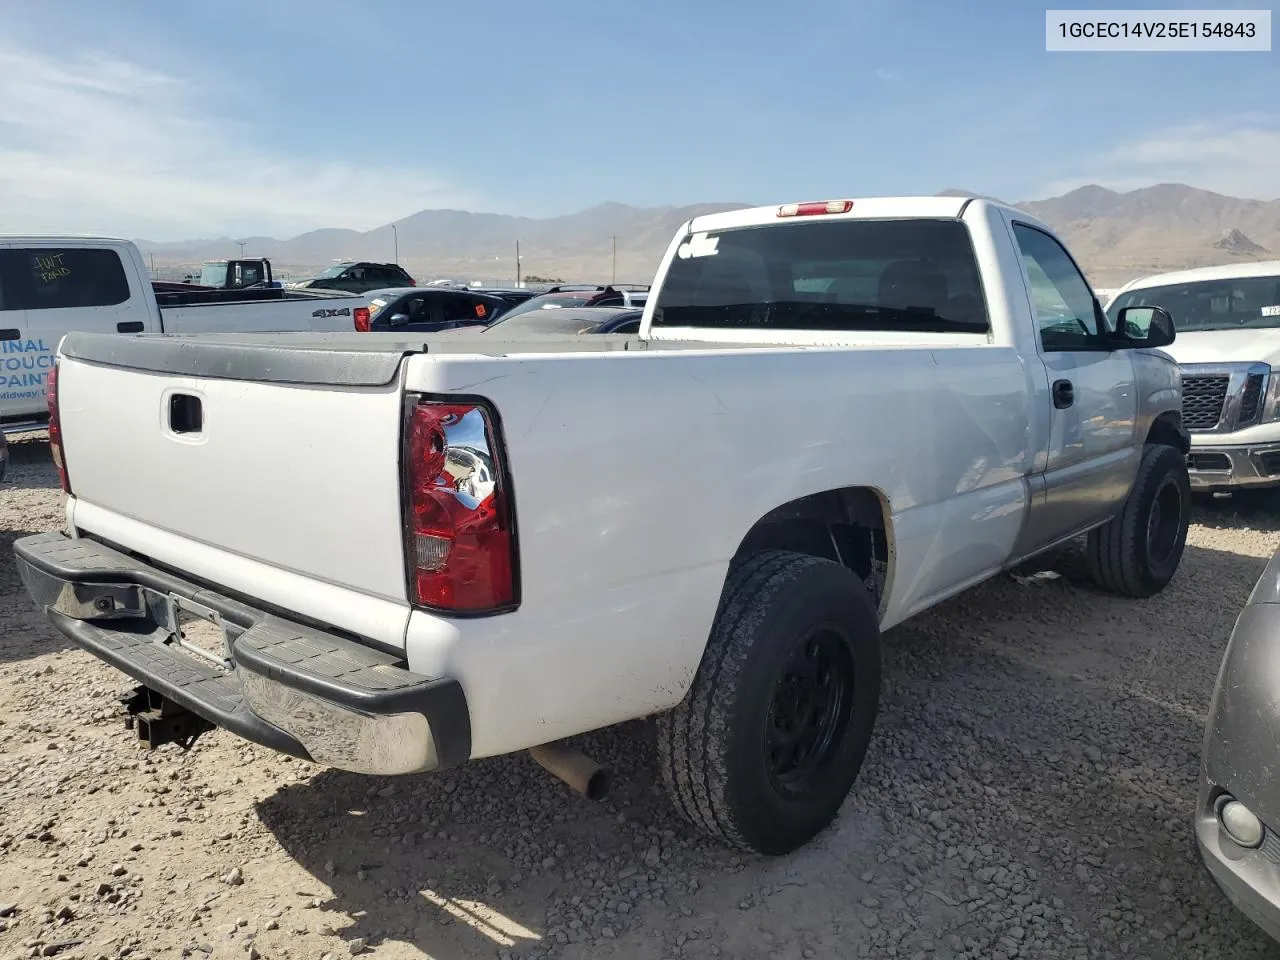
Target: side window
417, 309
462, 309
50, 278
1060, 297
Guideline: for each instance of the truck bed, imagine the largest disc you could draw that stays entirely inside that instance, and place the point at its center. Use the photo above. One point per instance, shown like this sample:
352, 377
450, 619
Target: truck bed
350, 359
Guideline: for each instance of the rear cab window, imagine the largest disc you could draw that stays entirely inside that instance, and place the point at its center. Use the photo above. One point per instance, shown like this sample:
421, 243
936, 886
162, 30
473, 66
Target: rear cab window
50, 278
846, 276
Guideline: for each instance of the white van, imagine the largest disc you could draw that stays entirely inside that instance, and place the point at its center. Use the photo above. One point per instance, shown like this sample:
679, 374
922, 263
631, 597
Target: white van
52, 285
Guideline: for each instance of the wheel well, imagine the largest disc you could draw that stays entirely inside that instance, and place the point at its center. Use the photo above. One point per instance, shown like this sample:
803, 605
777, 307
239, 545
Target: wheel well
848, 525
1167, 431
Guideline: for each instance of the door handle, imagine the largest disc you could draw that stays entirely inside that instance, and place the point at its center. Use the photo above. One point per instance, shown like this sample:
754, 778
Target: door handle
1064, 394
129, 326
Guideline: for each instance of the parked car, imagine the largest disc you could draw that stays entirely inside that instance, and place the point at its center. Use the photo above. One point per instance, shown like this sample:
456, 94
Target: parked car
428, 309
1229, 350
359, 277
568, 320
50, 285
1237, 818
834, 416
584, 297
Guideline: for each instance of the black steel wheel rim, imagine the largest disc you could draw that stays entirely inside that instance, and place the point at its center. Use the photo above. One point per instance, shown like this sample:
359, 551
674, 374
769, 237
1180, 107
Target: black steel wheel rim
810, 709
1164, 522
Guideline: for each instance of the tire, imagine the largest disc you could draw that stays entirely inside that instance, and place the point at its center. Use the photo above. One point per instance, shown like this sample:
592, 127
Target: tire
1137, 553
781, 615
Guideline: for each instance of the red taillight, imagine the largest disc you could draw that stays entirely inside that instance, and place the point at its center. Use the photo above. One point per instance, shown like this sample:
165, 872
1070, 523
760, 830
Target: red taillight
55, 429
815, 209
361, 317
458, 517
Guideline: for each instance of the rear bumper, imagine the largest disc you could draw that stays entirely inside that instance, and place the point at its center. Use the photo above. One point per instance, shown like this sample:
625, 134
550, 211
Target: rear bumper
1225, 468
285, 685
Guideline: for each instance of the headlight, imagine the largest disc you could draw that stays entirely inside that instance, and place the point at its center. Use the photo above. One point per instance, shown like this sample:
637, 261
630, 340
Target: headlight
1271, 404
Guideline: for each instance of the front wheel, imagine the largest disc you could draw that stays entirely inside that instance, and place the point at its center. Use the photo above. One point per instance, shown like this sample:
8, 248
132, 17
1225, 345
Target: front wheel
1137, 553
767, 744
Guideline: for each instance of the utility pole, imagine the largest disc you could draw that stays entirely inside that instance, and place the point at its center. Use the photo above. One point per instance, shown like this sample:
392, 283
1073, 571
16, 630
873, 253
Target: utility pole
153, 265
615, 260
517, 263
396, 235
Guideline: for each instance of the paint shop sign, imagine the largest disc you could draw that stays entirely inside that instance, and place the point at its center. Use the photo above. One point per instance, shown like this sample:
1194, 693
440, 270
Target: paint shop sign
24, 368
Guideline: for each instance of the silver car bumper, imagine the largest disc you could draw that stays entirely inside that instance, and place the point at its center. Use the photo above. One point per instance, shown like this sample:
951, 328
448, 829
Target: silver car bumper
1225, 468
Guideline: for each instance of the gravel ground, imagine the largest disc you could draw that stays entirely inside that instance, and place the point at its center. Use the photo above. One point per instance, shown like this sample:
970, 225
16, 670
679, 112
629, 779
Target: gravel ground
1028, 793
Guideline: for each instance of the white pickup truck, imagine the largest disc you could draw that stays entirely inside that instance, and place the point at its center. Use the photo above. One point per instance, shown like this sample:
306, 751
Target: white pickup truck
414, 554
52, 285
1228, 345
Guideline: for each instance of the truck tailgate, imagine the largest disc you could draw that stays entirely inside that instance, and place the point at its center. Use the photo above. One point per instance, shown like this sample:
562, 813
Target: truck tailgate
294, 460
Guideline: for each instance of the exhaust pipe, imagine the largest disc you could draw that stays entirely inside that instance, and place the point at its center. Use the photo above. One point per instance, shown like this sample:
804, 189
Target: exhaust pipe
575, 768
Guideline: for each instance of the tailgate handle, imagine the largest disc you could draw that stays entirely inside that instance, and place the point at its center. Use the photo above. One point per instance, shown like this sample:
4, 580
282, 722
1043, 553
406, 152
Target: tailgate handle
10, 334
185, 413
129, 326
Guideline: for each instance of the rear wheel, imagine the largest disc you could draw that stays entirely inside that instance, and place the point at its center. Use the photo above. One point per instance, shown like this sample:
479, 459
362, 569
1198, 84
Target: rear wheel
1138, 552
767, 744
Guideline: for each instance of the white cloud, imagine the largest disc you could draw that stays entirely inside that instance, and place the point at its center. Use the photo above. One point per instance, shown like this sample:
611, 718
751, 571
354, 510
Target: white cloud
90, 143
1240, 161
885, 75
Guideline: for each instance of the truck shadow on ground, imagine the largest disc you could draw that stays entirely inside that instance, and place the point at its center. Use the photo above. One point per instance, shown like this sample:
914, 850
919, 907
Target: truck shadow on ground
495, 856
1025, 770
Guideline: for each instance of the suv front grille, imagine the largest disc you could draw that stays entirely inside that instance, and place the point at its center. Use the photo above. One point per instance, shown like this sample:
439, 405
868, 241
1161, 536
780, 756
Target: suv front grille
1202, 400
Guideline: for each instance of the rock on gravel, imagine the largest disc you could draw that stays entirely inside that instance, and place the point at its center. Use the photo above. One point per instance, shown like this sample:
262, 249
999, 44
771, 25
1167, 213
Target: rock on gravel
1028, 794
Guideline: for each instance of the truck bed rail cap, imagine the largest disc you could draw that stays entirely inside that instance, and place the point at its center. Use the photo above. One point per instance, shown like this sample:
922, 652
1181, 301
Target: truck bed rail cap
325, 359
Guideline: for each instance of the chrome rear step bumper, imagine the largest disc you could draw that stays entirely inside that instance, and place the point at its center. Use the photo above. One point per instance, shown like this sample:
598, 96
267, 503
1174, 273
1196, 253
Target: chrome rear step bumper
285, 685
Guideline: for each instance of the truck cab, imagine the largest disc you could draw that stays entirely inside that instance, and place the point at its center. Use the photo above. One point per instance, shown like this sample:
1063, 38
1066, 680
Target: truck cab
236, 274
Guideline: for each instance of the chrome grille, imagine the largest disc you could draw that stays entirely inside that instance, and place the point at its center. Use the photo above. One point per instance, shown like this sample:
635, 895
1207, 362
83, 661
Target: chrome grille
1202, 400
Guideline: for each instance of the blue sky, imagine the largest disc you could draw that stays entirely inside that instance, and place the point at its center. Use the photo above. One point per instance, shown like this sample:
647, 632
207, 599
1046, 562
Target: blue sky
258, 117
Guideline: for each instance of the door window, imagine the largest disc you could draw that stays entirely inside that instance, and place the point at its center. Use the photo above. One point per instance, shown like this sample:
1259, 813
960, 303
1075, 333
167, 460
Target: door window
1065, 309
462, 310
417, 309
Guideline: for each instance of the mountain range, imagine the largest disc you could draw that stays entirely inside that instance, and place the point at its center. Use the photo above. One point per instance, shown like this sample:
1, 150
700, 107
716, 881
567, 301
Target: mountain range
1115, 236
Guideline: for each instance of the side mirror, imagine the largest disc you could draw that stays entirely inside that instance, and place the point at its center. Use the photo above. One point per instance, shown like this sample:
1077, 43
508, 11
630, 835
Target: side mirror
1144, 327
398, 319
